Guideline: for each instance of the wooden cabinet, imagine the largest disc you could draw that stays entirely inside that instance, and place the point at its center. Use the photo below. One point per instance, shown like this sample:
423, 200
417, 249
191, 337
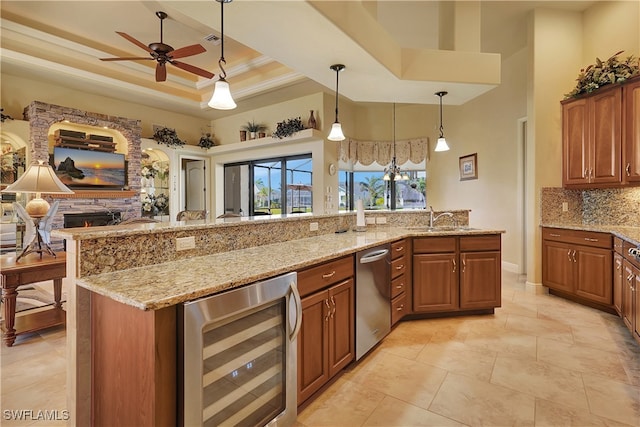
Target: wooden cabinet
399, 279
326, 343
456, 273
618, 282
630, 311
578, 263
601, 137
631, 131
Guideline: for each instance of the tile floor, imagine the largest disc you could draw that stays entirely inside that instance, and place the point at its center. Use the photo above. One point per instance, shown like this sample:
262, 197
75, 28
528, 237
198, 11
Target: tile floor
539, 361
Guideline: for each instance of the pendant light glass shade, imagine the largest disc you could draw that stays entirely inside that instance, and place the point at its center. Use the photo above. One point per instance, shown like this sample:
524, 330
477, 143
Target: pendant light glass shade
336, 133
441, 145
336, 130
221, 98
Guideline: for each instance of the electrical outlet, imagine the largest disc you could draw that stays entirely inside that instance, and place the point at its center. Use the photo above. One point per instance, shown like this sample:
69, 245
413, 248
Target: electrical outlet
381, 220
184, 243
313, 226
565, 207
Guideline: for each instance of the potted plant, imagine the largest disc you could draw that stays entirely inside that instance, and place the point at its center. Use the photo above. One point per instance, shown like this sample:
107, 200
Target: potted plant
253, 128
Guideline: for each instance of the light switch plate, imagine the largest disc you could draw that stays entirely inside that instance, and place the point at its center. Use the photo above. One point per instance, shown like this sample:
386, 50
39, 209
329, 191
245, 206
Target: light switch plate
565, 207
381, 220
184, 243
313, 226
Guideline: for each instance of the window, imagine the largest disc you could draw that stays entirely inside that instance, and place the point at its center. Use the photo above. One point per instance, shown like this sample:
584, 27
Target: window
257, 186
377, 193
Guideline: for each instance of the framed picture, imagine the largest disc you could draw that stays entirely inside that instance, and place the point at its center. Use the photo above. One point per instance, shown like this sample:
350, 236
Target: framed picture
469, 167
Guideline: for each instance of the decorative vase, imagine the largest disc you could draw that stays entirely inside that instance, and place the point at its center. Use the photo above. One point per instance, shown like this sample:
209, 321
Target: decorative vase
243, 135
312, 121
252, 135
262, 134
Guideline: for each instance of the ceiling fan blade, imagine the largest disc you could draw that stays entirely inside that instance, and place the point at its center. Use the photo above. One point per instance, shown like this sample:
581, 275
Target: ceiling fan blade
134, 41
161, 72
127, 59
193, 69
194, 49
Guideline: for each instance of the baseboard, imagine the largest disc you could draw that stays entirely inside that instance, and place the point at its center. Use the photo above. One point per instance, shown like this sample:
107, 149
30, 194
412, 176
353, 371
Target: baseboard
510, 267
536, 288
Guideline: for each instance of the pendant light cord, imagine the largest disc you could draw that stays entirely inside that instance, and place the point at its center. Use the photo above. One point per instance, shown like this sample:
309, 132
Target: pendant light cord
221, 61
441, 128
337, 72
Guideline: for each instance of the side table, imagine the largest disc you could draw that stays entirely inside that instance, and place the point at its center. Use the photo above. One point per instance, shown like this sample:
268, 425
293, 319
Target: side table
30, 269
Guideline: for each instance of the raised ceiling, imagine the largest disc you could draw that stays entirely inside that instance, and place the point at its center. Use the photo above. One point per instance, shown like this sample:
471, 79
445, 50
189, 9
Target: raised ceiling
395, 51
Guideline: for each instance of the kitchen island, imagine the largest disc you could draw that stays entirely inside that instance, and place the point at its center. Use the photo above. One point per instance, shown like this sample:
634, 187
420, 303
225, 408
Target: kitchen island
127, 373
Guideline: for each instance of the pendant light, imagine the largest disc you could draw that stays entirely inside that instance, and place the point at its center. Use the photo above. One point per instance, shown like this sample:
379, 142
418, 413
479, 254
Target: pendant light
336, 129
221, 98
441, 145
393, 172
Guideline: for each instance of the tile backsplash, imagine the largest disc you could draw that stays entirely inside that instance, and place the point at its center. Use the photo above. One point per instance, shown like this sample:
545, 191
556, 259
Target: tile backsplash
613, 206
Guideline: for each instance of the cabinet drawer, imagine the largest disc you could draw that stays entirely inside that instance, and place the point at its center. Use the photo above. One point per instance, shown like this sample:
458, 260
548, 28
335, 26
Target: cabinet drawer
321, 276
625, 253
578, 237
398, 266
398, 308
431, 245
618, 245
398, 285
480, 243
398, 249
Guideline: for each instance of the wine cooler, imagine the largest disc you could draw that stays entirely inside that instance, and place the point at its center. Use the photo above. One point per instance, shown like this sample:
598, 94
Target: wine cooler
239, 356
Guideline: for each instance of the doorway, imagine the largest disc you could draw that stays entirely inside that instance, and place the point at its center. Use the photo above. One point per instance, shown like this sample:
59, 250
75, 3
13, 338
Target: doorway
193, 194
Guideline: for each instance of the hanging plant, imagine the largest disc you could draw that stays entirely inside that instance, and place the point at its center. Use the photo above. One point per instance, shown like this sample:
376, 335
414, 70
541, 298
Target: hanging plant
288, 128
613, 70
206, 141
168, 137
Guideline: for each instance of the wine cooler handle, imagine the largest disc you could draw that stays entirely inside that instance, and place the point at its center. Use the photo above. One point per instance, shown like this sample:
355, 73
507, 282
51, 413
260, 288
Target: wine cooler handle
296, 298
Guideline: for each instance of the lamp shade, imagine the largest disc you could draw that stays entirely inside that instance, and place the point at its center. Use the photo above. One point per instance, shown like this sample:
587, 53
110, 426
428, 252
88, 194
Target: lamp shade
221, 98
442, 145
336, 133
38, 178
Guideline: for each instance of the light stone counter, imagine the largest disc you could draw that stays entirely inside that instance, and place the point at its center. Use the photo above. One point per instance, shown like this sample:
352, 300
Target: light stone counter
161, 285
630, 234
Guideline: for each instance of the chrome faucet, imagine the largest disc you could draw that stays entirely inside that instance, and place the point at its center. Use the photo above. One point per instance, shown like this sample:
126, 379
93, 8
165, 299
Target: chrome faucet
433, 219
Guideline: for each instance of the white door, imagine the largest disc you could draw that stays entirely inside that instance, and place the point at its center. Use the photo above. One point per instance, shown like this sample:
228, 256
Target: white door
195, 185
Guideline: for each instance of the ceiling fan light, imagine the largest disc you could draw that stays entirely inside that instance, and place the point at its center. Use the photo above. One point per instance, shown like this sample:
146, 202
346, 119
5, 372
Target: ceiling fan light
221, 98
442, 145
336, 133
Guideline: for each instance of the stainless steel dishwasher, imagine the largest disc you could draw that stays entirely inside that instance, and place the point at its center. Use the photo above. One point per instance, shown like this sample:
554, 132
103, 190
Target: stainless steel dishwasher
373, 305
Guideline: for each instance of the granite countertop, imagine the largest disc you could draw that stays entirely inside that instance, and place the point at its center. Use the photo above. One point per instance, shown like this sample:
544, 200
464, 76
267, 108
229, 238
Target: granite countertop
630, 234
163, 285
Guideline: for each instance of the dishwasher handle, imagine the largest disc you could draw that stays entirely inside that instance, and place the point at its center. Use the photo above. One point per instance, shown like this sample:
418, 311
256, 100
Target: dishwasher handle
374, 256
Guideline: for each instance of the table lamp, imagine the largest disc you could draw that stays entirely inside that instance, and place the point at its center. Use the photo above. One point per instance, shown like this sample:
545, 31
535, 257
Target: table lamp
39, 178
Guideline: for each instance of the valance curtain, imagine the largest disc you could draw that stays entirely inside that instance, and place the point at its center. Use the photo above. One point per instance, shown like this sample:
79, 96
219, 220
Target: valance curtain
366, 152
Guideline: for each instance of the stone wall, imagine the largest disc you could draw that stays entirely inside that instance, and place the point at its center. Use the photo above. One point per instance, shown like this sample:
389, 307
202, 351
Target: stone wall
41, 116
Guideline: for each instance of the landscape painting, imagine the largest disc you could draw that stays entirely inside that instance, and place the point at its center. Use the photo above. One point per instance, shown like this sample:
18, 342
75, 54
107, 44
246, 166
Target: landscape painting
89, 169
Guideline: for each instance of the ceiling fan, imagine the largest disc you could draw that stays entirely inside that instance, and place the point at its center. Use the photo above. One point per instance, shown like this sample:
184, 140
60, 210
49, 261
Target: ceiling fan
164, 53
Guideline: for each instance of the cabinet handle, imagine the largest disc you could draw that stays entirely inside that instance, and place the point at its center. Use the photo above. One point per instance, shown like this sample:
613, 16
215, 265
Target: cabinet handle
400, 308
400, 286
333, 310
454, 265
618, 265
628, 169
400, 248
574, 255
464, 265
586, 173
569, 255
400, 267
590, 240
591, 173
326, 276
326, 302
554, 235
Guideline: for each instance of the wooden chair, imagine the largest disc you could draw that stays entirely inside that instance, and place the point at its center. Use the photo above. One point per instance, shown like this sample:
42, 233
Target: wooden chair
191, 215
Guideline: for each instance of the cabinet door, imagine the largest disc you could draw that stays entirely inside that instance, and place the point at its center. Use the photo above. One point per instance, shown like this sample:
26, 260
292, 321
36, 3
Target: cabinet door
575, 140
628, 294
435, 283
557, 266
313, 339
479, 280
631, 132
605, 120
341, 326
593, 274
618, 282
635, 309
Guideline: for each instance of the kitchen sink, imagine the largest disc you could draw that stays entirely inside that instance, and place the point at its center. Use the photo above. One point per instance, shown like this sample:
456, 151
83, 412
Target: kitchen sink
442, 228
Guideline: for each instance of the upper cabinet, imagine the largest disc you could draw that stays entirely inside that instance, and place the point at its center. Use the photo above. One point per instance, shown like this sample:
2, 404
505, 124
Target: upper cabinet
601, 138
